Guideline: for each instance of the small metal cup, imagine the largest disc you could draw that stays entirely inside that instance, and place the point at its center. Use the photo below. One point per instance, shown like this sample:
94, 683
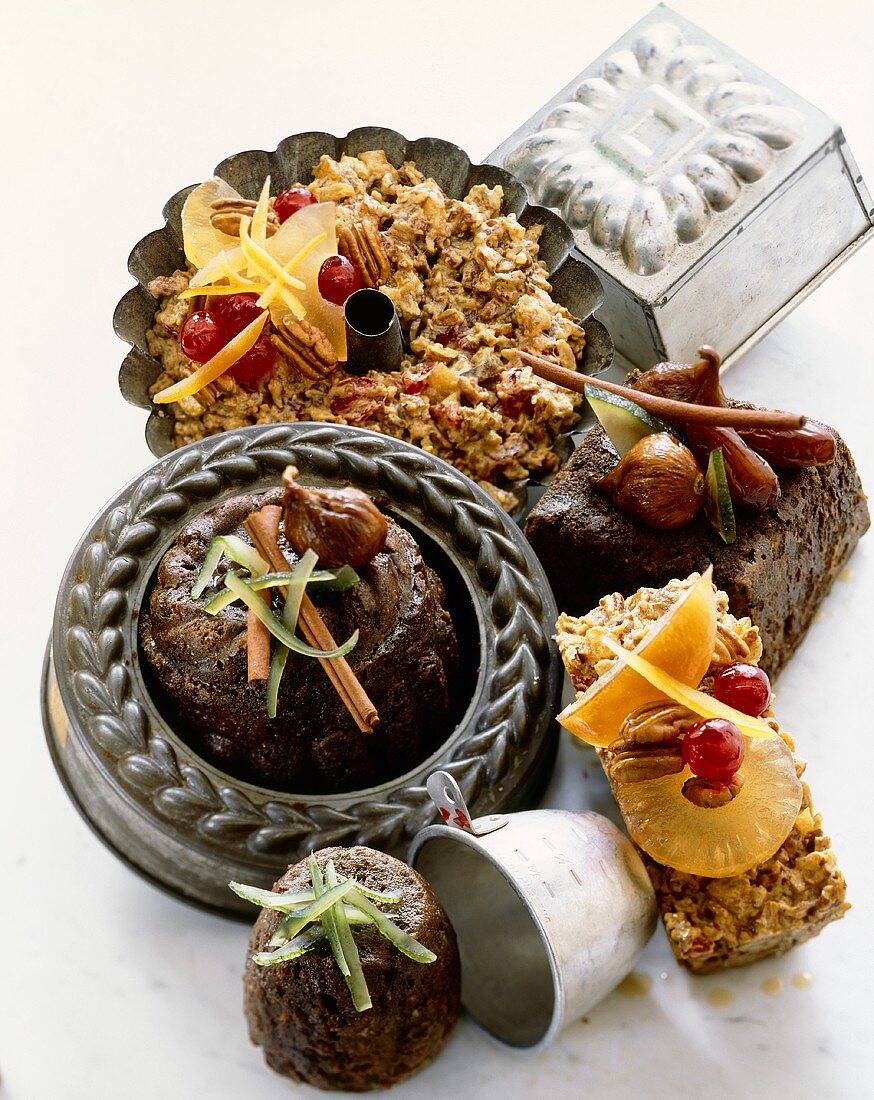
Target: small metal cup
373, 332
551, 910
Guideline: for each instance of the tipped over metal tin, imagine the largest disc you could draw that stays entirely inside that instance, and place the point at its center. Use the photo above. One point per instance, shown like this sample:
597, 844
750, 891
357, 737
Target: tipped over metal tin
373, 332
710, 198
551, 910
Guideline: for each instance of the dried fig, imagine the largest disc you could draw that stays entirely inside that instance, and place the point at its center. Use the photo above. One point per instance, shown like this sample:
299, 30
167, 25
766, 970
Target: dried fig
657, 482
697, 383
343, 526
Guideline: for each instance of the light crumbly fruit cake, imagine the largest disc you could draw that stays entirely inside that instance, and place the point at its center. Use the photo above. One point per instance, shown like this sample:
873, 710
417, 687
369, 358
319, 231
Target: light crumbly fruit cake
671, 694
465, 278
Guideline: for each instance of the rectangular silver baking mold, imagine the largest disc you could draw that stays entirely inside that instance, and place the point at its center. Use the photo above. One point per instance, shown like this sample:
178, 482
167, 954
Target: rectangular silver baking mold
710, 198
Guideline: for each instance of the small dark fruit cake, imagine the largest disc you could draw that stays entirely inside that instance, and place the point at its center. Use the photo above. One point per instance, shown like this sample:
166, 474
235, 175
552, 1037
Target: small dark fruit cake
357, 994
243, 675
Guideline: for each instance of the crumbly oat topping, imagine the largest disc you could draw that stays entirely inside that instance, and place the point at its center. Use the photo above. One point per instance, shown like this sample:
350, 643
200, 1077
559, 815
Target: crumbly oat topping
469, 290
629, 619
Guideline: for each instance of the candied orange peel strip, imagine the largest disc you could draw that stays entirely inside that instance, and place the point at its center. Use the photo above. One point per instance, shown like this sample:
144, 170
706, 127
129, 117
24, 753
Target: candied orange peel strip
232, 351
261, 260
276, 286
224, 264
259, 216
697, 701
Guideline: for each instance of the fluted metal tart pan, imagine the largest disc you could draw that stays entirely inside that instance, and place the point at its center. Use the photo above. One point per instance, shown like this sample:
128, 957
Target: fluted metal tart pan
575, 285
184, 823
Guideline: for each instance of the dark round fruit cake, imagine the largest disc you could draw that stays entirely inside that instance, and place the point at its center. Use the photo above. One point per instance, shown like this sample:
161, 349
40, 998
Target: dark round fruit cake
406, 659
301, 1012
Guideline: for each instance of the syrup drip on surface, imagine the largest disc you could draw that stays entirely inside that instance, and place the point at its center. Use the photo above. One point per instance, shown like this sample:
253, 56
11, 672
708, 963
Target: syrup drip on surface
802, 980
772, 986
634, 985
720, 998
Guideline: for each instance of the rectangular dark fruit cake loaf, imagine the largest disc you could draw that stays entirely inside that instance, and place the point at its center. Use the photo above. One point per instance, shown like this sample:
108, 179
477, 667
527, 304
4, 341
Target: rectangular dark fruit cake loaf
777, 572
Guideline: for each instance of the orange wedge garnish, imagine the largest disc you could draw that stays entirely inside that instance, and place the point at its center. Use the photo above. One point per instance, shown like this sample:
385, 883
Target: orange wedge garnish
679, 643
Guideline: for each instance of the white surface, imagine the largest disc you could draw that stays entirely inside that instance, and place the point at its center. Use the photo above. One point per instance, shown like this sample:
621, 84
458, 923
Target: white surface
108, 989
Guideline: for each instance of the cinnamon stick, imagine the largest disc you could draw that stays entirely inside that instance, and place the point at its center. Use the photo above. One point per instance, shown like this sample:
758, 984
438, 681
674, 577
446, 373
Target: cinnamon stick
258, 637
664, 406
263, 528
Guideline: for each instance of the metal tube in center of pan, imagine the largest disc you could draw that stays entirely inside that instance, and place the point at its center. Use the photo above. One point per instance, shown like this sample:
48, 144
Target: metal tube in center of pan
373, 332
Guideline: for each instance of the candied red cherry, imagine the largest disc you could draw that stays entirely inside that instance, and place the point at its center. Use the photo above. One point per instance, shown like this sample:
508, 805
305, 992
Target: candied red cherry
251, 368
338, 278
235, 312
202, 336
744, 687
713, 749
288, 202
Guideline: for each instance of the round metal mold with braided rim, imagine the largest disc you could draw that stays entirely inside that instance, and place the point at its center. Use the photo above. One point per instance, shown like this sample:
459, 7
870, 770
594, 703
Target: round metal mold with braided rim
187, 825
575, 285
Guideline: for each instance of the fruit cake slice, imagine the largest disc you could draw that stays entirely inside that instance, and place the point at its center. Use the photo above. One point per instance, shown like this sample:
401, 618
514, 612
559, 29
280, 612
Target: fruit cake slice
728, 832
777, 512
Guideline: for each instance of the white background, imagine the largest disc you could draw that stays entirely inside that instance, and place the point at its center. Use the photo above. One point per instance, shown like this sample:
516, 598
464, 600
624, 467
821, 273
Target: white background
109, 989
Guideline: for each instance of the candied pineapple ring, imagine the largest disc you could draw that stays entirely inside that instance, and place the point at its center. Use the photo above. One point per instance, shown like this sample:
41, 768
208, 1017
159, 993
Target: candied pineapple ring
680, 643
725, 840
201, 239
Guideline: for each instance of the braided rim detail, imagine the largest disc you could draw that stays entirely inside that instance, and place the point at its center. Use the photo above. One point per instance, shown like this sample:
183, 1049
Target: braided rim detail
95, 642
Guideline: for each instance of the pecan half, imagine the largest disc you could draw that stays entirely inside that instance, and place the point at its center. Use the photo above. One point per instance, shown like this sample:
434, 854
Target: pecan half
226, 215
305, 346
710, 793
361, 242
657, 722
632, 762
731, 647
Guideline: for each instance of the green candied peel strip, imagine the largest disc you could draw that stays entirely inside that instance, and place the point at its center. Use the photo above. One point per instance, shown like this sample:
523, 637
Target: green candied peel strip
397, 936
284, 903
297, 920
354, 976
228, 546
716, 480
595, 396
339, 580
392, 898
288, 903
297, 583
267, 899
306, 941
329, 919
261, 611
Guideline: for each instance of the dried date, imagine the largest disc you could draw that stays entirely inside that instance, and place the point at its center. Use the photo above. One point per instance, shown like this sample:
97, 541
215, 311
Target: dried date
751, 481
